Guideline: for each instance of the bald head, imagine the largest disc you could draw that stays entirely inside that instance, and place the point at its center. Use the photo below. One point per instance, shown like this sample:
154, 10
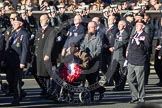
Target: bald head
44, 20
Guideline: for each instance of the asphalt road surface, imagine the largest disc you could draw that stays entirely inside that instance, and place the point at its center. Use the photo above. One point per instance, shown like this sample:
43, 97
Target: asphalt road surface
112, 99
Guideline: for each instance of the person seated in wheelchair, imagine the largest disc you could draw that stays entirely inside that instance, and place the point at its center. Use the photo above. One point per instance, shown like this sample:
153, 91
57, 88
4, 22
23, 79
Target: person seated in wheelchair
73, 65
74, 58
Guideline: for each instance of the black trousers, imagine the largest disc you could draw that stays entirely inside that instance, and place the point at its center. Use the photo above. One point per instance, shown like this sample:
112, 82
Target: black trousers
147, 68
14, 78
93, 79
40, 80
105, 61
158, 66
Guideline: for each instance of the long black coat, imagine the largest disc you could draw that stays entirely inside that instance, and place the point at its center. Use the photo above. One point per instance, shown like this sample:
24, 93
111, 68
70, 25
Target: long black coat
41, 50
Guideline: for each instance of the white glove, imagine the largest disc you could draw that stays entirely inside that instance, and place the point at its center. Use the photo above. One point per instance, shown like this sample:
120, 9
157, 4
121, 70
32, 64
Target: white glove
137, 41
125, 63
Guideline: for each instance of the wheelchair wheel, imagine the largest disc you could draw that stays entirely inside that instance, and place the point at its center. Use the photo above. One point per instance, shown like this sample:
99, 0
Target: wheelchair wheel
85, 97
4, 87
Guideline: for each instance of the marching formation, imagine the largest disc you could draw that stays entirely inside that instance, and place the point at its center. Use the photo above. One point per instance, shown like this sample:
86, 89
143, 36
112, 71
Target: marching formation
77, 47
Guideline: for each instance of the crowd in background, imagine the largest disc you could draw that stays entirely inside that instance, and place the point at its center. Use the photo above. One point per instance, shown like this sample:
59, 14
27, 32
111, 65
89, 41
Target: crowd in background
94, 5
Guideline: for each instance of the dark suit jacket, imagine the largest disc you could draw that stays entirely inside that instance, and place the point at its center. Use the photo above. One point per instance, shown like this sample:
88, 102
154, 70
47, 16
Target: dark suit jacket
75, 35
121, 42
109, 38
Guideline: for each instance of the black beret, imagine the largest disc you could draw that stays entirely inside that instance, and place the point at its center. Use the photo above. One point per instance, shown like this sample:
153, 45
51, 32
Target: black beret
18, 18
139, 14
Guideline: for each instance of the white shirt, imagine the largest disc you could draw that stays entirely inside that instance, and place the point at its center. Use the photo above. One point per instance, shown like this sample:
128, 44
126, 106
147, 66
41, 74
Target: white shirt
121, 31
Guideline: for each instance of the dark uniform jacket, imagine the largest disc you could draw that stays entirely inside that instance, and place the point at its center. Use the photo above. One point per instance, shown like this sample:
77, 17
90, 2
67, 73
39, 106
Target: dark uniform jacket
129, 27
160, 52
2, 47
17, 49
159, 41
62, 18
32, 24
137, 53
75, 35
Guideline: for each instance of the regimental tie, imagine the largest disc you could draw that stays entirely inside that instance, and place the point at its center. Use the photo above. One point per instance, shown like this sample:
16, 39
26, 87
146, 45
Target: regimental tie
43, 31
76, 28
110, 28
135, 36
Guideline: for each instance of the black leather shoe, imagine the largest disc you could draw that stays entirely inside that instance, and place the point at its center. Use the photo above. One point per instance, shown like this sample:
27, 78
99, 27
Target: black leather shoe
15, 102
159, 84
109, 84
9, 94
133, 101
118, 89
101, 94
43, 92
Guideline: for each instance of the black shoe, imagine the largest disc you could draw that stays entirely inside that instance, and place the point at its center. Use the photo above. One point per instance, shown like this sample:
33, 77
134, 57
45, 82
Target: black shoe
46, 96
101, 93
101, 96
118, 89
109, 84
23, 95
9, 94
15, 102
43, 92
133, 101
92, 100
159, 84
52, 97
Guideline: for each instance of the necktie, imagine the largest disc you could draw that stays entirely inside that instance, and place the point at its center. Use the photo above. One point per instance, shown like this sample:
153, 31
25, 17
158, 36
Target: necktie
43, 30
109, 28
76, 27
135, 36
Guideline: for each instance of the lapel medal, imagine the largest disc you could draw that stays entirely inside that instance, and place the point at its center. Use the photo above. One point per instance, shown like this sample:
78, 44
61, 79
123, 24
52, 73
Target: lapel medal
42, 35
18, 44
